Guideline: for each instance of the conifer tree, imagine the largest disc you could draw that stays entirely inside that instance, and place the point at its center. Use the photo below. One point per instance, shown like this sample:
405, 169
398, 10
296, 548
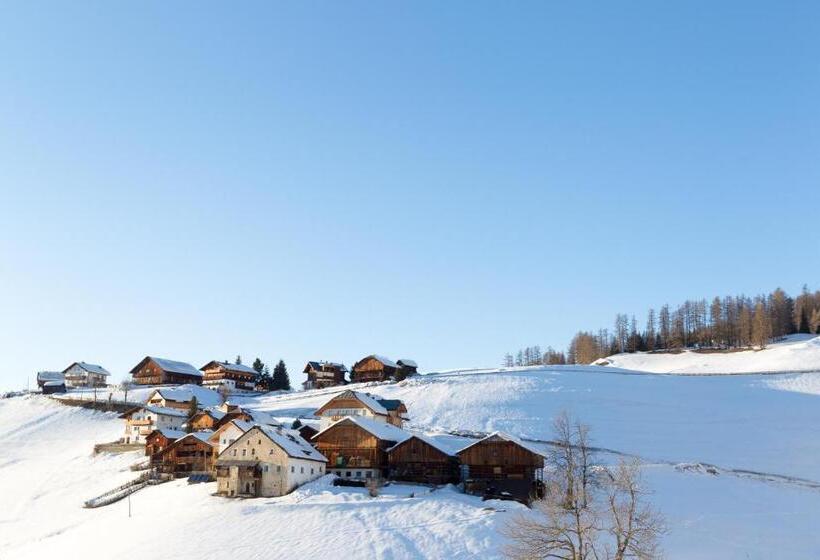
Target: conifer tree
193, 408
281, 381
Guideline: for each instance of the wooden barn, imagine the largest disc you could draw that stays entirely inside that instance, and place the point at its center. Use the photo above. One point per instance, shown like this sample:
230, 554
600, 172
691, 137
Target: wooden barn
419, 459
190, 454
158, 440
324, 374
373, 368
407, 368
238, 378
159, 371
502, 466
356, 403
356, 447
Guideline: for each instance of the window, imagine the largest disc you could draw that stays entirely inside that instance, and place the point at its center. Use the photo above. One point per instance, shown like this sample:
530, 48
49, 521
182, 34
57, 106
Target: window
270, 452
292, 469
278, 468
244, 451
347, 474
311, 470
265, 468
358, 474
302, 470
368, 474
338, 473
234, 452
253, 451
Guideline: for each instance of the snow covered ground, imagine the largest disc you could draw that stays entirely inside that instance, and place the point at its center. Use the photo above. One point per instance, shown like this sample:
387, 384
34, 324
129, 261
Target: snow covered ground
800, 352
763, 502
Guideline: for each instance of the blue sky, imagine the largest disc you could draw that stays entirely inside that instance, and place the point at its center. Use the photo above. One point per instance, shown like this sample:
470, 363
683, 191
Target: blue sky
439, 181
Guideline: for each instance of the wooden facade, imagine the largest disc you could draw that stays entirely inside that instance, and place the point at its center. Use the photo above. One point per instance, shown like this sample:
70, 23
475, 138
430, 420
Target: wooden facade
237, 377
158, 440
159, 371
324, 374
406, 368
355, 403
353, 451
501, 466
205, 420
418, 460
373, 368
82, 374
191, 454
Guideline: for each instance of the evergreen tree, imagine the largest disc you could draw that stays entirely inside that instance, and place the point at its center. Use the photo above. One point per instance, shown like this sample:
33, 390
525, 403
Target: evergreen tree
265, 379
193, 408
259, 367
281, 381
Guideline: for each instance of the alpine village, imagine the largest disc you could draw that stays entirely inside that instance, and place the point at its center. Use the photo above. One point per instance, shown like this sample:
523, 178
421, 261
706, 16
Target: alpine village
190, 426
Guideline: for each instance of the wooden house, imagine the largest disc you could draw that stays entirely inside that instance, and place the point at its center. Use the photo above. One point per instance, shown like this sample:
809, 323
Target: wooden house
82, 374
181, 397
238, 378
406, 368
356, 447
190, 454
205, 419
140, 421
267, 461
324, 374
420, 459
356, 403
307, 428
500, 465
373, 368
158, 440
160, 371
44, 377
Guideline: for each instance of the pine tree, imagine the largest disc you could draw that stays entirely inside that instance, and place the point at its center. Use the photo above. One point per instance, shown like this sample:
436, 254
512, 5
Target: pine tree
281, 381
265, 379
193, 408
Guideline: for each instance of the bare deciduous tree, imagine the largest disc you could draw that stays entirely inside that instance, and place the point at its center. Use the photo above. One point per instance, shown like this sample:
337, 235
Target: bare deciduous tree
589, 512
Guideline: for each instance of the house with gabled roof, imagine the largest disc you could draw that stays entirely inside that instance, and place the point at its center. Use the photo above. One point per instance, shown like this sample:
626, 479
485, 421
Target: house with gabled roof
158, 440
373, 368
83, 374
229, 432
51, 378
267, 461
162, 371
423, 460
140, 421
237, 378
357, 403
324, 374
192, 454
181, 397
356, 446
500, 464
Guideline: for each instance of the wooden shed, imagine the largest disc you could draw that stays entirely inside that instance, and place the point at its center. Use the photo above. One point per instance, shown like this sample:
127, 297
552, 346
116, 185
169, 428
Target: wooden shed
373, 368
501, 465
419, 459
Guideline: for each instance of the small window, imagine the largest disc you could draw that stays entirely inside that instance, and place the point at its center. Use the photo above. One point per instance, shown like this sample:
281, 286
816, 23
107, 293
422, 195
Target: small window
234, 452
292, 469
347, 474
302, 470
270, 452
368, 474
278, 468
311, 470
253, 451
244, 451
358, 474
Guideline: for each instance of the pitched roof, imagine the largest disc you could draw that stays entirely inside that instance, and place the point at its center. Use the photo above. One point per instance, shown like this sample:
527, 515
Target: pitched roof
165, 410
241, 368
390, 404
201, 436
171, 366
292, 443
50, 376
185, 393
90, 368
428, 441
171, 434
366, 399
408, 363
386, 361
381, 430
505, 437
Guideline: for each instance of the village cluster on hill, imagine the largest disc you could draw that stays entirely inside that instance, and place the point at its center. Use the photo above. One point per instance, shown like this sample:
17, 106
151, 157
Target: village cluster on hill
188, 427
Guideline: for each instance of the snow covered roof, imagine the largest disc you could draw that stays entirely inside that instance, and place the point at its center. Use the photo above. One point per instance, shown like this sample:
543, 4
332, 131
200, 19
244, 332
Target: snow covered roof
260, 417
172, 434
171, 366
201, 436
386, 361
390, 404
292, 443
408, 363
381, 430
428, 441
165, 410
184, 393
366, 399
50, 376
214, 412
242, 368
317, 366
90, 368
505, 437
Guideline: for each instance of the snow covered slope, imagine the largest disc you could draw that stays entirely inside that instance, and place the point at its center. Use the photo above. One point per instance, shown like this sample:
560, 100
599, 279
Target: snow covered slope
797, 353
762, 502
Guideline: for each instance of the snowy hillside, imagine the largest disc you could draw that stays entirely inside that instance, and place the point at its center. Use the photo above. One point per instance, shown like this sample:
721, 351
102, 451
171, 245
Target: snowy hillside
734, 462
795, 353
